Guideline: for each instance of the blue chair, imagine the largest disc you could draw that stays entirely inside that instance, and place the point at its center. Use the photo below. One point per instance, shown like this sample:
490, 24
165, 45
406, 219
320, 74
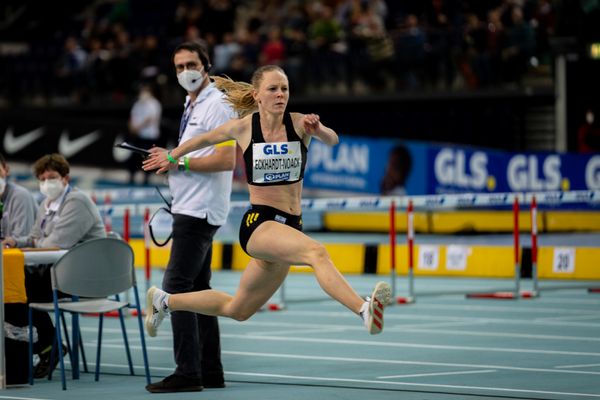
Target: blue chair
92, 270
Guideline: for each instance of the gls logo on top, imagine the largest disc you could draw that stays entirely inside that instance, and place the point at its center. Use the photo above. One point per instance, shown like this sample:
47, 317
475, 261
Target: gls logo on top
276, 149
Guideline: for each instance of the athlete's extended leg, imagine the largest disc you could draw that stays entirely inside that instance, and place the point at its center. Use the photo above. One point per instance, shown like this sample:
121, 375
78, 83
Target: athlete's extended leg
260, 280
280, 243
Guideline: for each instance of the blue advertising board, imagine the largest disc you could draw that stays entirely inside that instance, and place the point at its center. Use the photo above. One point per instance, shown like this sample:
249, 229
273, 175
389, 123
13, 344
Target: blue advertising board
360, 164
455, 169
387, 166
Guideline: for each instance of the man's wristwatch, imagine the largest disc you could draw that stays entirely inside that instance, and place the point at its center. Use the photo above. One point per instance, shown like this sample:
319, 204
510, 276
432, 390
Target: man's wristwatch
181, 164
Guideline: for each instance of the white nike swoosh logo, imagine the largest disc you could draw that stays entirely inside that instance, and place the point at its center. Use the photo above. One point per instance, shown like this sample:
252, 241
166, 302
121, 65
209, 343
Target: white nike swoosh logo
69, 148
14, 144
119, 154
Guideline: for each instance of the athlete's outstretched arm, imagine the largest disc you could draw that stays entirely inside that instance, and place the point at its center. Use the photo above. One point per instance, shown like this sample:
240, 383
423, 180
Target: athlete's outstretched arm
159, 159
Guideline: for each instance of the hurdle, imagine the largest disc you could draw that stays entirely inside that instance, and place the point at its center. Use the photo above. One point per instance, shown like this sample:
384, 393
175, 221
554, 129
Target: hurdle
517, 293
410, 236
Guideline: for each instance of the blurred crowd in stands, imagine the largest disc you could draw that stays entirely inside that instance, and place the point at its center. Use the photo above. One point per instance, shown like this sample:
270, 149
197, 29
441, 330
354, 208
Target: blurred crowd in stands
100, 51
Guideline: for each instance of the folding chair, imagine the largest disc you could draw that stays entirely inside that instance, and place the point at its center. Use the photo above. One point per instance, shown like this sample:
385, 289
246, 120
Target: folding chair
94, 270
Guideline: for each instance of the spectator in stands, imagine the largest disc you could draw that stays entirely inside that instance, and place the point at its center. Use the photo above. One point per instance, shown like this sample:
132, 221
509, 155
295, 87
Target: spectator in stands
224, 52
115, 64
520, 47
70, 70
65, 217
17, 206
327, 49
144, 127
275, 144
588, 134
410, 47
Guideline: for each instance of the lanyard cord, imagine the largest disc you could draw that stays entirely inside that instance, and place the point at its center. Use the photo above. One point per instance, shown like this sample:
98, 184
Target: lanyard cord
187, 113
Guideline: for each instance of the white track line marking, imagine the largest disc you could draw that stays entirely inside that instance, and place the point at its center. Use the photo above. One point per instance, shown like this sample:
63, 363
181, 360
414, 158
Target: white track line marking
483, 371
427, 385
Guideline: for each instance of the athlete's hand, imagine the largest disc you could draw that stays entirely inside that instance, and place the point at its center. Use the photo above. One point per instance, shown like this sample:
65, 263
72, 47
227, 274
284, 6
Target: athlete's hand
311, 123
157, 160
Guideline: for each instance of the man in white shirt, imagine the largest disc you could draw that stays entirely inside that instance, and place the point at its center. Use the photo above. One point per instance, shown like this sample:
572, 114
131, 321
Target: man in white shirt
201, 188
144, 126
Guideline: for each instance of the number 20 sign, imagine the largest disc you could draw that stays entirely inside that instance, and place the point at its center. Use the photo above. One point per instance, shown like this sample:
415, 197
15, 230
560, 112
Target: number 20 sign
564, 260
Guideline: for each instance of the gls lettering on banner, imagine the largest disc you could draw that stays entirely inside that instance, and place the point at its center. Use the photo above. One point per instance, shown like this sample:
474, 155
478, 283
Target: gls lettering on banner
592, 173
523, 172
456, 168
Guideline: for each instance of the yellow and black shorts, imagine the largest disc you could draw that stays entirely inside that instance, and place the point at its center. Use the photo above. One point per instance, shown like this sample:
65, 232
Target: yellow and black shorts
258, 214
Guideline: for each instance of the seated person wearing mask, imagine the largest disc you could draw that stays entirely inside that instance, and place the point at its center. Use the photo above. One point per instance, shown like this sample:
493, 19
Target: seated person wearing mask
65, 217
17, 206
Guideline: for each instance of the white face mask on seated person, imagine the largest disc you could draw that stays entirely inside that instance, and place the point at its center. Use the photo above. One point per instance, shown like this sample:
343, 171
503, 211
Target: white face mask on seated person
190, 79
52, 188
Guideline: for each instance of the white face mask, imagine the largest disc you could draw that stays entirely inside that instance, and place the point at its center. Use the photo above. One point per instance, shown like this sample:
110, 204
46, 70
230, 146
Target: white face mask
190, 79
589, 117
2, 184
52, 188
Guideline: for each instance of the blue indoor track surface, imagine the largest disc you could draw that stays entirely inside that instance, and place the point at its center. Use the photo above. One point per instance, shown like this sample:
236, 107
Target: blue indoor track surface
443, 346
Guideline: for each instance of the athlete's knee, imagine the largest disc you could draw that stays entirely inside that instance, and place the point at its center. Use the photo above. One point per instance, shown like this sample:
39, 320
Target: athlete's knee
317, 253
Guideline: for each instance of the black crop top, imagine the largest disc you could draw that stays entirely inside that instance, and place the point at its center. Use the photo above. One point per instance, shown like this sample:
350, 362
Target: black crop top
278, 163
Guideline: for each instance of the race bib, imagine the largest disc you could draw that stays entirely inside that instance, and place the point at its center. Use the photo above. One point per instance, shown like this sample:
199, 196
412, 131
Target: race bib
276, 162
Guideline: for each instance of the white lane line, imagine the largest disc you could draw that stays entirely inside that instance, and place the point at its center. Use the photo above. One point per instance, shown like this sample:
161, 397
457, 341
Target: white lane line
374, 361
401, 362
409, 384
363, 343
302, 331
21, 398
375, 382
446, 332
569, 318
578, 366
483, 371
419, 328
412, 318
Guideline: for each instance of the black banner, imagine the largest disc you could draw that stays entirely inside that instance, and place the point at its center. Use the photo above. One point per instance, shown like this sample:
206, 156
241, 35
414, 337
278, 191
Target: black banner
84, 137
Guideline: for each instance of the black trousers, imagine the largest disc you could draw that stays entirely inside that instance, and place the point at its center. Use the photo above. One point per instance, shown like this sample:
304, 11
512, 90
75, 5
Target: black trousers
38, 286
196, 342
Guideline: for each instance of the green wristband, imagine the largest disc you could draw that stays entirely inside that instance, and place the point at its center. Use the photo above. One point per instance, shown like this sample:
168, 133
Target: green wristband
186, 162
170, 158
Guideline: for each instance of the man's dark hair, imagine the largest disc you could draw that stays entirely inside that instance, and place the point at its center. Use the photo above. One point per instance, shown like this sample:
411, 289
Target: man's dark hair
2, 160
195, 47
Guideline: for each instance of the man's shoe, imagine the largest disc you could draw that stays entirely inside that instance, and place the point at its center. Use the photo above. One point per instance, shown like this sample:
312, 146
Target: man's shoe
176, 383
155, 311
213, 382
373, 317
43, 368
